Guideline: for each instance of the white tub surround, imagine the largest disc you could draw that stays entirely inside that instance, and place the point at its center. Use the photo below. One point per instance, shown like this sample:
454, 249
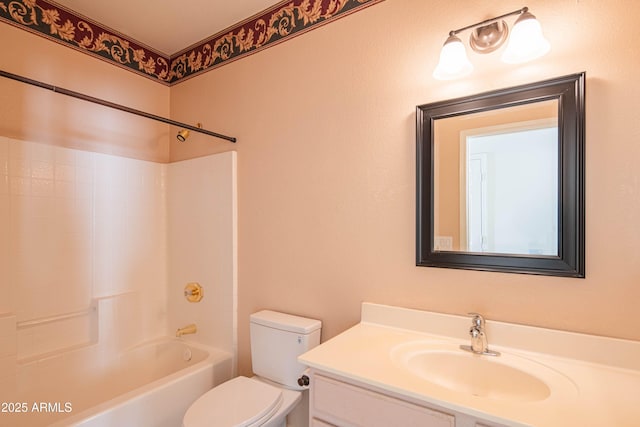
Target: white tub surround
592, 381
202, 247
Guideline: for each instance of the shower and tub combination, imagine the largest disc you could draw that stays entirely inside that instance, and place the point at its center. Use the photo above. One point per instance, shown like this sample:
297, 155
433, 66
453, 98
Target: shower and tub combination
99, 249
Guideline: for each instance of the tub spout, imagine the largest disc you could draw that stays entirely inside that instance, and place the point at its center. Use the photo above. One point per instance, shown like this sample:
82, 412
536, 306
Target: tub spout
189, 329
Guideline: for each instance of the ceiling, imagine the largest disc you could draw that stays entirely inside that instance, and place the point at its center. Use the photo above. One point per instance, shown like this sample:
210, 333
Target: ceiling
168, 26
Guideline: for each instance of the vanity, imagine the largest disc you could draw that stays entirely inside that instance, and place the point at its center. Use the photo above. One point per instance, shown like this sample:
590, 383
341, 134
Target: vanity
405, 367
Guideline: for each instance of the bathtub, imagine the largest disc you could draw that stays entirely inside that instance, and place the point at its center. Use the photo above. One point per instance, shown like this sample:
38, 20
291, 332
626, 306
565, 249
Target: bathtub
150, 385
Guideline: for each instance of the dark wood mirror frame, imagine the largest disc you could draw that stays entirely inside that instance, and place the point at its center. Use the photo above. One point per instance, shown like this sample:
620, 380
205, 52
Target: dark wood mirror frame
569, 91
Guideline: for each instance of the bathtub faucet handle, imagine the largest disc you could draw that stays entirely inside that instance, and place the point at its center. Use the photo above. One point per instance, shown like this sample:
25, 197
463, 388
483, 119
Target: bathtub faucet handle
193, 292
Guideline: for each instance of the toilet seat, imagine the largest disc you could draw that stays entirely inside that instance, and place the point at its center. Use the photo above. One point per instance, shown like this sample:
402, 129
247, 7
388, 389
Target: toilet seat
240, 402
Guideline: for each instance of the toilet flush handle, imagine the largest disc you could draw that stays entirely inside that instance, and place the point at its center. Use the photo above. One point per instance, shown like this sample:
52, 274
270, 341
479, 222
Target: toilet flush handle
303, 381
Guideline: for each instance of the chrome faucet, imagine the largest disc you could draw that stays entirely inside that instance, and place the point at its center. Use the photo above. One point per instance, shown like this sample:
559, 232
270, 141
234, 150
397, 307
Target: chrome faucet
479, 344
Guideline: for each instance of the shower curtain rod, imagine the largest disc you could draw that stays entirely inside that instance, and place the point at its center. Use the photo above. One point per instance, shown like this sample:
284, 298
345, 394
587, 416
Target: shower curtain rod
99, 101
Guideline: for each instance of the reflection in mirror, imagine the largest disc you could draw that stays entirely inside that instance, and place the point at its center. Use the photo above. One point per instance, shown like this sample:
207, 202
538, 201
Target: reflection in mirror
500, 180
496, 181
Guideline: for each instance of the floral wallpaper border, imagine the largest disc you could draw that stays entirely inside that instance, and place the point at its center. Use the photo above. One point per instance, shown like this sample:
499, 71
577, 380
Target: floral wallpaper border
282, 21
63, 26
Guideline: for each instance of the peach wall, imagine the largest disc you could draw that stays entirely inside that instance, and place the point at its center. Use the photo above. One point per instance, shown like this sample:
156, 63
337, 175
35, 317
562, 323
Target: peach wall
326, 165
38, 115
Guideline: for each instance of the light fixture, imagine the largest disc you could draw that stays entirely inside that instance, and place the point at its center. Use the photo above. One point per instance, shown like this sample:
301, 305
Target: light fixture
453, 62
183, 134
526, 42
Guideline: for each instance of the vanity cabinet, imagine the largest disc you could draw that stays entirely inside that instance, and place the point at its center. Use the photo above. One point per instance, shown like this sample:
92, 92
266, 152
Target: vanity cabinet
403, 367
338, 402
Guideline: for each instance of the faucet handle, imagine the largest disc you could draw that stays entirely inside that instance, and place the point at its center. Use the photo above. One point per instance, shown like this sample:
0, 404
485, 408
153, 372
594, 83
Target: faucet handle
477, 320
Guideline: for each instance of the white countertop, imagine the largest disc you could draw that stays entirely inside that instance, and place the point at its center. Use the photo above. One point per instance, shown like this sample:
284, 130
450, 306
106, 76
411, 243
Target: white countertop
603, 373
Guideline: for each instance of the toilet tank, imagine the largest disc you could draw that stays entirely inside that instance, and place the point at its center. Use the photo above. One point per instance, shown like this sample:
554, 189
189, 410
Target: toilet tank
277, 339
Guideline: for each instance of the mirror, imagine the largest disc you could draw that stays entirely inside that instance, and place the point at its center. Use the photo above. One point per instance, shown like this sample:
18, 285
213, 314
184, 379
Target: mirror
500, 180
496, 191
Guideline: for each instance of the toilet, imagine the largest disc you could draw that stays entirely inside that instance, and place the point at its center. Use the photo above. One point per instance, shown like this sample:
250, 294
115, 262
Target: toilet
277, 339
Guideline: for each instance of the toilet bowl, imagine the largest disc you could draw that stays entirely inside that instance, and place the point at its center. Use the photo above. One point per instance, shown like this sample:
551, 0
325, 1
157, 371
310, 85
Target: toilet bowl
242, 402
277, 339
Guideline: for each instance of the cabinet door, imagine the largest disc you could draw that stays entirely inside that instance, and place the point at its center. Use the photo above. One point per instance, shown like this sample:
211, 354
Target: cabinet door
347, 405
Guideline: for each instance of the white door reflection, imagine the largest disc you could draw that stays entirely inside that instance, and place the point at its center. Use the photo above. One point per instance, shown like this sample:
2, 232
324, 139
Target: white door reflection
477, 199
511, 189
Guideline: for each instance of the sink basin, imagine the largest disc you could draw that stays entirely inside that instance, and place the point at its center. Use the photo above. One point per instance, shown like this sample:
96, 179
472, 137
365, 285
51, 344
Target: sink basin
506, 377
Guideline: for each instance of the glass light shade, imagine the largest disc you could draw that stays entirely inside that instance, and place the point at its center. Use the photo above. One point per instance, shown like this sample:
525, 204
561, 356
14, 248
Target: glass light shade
526, 41
453, 61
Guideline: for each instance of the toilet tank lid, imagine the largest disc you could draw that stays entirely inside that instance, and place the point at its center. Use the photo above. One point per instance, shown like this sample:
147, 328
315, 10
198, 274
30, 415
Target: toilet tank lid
285, 322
